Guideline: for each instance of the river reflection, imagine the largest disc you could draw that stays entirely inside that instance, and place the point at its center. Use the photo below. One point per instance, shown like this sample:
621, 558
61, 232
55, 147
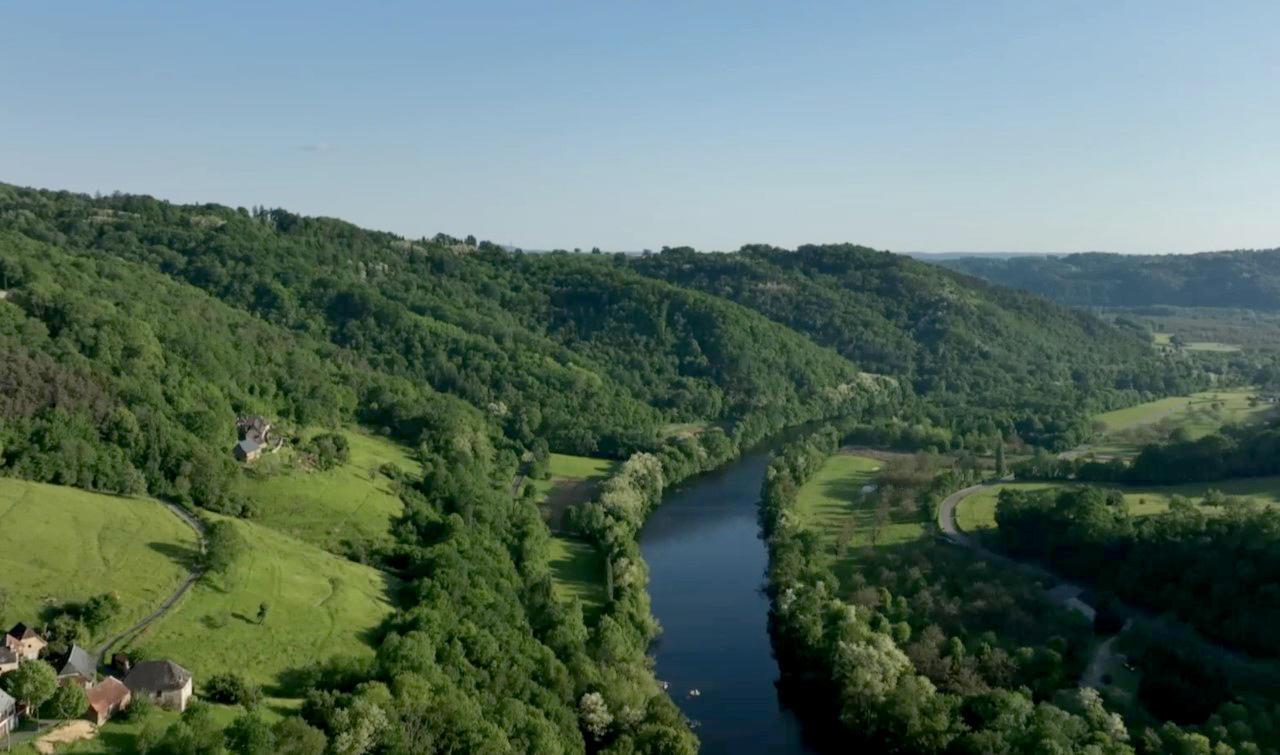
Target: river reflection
706, 570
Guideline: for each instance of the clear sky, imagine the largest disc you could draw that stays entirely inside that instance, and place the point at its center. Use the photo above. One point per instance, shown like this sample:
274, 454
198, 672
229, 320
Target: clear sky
1019, 125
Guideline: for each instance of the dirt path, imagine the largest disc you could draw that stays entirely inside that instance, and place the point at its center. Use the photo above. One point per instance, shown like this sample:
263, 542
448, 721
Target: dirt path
196, 572
71, 731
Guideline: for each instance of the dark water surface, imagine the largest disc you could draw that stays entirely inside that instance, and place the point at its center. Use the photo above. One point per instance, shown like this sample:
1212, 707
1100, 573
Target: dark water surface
706, 574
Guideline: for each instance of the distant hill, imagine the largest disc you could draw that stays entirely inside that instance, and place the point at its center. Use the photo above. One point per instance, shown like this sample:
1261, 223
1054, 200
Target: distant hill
1235, 279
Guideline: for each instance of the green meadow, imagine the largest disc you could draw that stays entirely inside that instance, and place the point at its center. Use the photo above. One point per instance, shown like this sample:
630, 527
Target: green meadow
566, 468
978, 511
319, 605
1125, 431
352, 502
834, 507
577, 571
60, 544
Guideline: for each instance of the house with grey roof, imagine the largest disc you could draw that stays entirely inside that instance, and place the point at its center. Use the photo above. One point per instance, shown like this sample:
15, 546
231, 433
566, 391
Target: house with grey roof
165, 682
8, 713
247, 450
79, 669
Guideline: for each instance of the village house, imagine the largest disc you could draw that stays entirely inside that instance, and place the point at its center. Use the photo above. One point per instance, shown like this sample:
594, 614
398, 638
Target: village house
8, 660
24, 641
254, 432
79, 669
165, 682
8, 713
107, 698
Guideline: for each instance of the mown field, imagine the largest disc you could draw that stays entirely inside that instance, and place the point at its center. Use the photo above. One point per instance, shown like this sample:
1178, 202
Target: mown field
351, 502
577, 571
60, 544
834, 506
978, 511
319, 606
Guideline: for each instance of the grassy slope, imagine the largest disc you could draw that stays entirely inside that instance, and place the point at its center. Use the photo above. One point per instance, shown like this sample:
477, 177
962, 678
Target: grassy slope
320, 605
978, 511
832, 497
1194, 412
354, 501
67, 544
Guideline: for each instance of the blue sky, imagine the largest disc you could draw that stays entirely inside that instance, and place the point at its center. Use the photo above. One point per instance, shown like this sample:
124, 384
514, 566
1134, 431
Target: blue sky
1032, 126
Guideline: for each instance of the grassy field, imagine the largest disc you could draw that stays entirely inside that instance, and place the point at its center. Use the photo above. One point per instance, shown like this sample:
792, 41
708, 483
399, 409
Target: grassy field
574, 479
1210, 346
978, 511
61, 544
354, 501
1162, 339
1126, 430
319, 605
577, 571
833, 505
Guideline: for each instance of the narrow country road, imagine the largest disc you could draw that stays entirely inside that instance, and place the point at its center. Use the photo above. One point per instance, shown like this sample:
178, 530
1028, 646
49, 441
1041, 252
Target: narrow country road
1258, 674
197, 570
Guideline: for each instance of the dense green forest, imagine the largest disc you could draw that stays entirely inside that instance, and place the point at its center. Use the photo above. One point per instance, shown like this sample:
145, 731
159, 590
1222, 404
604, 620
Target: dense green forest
134, 332
991, 360
1236, 279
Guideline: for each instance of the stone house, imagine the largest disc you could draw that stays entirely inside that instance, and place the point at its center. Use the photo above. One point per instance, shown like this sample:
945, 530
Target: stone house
106, 699
8, 660
165, 682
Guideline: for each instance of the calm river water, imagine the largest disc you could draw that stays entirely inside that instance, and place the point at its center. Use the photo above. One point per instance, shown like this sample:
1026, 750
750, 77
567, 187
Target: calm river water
706, 574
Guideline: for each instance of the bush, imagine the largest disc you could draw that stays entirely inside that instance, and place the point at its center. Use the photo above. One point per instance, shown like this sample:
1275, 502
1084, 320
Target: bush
329, 449
232, 689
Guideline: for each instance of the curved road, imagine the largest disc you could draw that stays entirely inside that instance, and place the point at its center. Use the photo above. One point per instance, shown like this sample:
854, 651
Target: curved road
197, 570
1258, 674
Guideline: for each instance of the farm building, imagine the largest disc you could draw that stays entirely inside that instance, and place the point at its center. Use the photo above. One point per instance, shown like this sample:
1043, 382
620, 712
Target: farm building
106, 699
247, 450
165, 682
79, 669
24, 641
8, 712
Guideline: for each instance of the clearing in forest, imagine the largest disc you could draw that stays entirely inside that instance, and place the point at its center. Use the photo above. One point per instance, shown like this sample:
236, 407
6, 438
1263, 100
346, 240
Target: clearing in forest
319, 606
1125, 431
978, 511
61, 544
842, 506
354, 501
573, 479
577, 571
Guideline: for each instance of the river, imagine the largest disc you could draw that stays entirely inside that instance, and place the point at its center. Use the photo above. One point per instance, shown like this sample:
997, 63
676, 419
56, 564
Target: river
706, 578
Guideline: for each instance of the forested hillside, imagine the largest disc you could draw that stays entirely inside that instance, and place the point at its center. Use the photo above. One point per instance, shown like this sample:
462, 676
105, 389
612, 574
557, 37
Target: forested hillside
133, 332
1011, 362
1236, 279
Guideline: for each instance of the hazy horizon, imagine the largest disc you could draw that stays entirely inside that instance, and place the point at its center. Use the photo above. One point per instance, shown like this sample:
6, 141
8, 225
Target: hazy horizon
1137, 128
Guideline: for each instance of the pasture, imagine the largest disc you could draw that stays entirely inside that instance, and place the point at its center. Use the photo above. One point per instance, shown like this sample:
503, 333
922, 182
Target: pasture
352, 502
837, 506
1125, 431
61, 544
573, 479
319, 605
577, 571
978, 511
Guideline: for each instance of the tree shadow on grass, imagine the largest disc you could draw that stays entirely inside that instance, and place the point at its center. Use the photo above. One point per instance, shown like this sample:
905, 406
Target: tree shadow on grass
189, 558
